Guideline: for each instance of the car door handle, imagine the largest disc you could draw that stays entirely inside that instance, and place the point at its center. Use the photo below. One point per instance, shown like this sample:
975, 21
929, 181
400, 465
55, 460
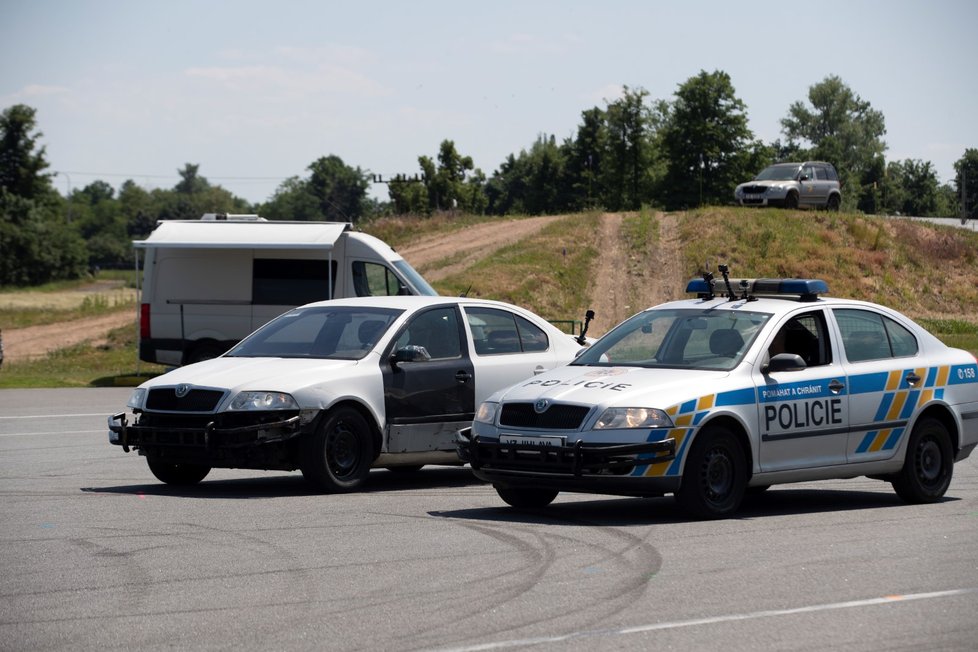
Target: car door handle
836, 386
912, 379
463, 376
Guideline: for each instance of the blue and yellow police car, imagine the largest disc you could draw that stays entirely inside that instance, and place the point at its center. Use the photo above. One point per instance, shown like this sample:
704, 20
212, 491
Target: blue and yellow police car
752, 383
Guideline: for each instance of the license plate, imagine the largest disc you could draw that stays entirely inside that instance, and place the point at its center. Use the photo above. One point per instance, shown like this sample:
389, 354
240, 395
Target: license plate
752, 197
526, 440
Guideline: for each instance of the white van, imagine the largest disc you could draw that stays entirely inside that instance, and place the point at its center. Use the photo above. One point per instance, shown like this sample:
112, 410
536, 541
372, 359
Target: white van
207, 283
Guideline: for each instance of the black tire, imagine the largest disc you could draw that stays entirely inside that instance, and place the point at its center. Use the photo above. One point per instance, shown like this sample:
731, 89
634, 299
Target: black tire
928, 466
176, 473
337, 458
526, 497
833, 204
791, 200
715, 476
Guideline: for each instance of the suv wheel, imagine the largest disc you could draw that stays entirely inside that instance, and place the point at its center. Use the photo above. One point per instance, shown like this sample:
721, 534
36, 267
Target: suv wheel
833, 203
791, 201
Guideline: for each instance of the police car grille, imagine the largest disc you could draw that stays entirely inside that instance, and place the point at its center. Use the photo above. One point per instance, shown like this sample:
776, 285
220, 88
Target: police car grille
196, 400
755, 189
556, 417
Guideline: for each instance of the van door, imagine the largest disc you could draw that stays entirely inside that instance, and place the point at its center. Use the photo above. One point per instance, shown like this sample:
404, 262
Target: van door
430, 392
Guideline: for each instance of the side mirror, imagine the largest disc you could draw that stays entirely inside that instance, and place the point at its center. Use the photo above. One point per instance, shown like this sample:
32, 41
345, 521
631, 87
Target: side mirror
410, 353
785, 362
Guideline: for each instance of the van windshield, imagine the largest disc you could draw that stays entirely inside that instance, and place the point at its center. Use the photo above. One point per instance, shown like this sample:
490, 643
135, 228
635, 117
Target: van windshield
678, 339
327, 332
414, 278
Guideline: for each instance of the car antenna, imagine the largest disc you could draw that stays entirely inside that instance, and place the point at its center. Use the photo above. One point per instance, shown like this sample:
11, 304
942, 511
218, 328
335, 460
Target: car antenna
467, 290
588, 316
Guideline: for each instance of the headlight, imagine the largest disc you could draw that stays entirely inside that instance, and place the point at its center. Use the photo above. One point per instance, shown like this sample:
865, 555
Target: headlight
263, 401
633, 418
773, 189
137, 399
487, 412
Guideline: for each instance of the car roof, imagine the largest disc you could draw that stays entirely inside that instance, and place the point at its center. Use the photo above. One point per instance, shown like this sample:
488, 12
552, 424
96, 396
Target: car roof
414, 302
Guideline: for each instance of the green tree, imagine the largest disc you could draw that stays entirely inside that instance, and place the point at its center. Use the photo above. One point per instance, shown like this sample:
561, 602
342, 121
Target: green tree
292, 200
22, 162
584, 158
706, 141
844, 130
629, 151
911, 188
966, 183
339, 189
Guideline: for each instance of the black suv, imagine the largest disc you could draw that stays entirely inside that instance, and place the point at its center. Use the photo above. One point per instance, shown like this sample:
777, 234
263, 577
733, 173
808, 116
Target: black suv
792, 185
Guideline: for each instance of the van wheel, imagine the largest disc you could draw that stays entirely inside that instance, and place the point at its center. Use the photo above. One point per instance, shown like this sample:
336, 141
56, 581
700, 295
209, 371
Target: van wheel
337, 458
791, 201
176, 473
927, 469
526, 497
715, 476
203, 352
833, 203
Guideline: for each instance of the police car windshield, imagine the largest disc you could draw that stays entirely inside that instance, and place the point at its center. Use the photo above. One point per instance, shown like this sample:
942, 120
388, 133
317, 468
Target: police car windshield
678, 339
333, 333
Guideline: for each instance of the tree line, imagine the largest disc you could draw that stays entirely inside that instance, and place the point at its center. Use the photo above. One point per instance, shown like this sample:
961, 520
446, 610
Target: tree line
689, 151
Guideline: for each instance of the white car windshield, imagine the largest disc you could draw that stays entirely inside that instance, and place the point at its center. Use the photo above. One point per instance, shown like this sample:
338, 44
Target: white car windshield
678, 339
330, 332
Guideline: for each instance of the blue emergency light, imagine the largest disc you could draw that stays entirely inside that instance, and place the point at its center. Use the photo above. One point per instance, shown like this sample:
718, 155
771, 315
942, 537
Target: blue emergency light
806, 288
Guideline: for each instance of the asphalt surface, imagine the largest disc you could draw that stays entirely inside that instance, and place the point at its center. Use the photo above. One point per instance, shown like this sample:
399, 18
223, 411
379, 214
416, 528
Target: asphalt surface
96, 554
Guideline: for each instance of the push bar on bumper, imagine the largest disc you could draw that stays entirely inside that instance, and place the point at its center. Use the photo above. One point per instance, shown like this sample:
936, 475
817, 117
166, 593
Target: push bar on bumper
119, 432
574, 459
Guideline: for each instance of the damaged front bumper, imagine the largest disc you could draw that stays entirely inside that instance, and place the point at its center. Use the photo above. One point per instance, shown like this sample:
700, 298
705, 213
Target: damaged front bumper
582, 467
261, 445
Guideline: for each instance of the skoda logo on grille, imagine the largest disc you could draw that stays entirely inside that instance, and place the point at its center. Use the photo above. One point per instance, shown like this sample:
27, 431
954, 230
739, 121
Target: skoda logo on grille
541, 405
182, 390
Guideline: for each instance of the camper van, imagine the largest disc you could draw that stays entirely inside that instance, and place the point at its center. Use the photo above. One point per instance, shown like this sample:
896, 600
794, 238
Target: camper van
207, 283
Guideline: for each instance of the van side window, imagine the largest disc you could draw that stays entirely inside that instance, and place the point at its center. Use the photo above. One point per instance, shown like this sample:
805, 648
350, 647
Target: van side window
375, 280
290, 281
870, 336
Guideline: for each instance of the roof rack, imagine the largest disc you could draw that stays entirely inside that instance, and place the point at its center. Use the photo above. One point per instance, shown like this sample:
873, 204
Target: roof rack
807, 289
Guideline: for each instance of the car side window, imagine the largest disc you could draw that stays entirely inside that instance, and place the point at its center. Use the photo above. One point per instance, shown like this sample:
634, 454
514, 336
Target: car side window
805, 336
436, 330
868, 335
496, 332
808, 172
820, 174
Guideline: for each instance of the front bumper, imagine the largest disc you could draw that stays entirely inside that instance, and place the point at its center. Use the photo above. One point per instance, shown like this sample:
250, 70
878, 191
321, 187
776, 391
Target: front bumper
586, 468
267, 444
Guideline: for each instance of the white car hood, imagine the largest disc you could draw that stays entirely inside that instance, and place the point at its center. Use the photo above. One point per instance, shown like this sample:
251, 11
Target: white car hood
615, 386
262, 374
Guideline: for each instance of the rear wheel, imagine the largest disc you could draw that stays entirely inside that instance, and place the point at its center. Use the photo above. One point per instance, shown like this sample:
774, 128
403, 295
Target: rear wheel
204, 351
177, 473
927, 469
526, 497
715, 476
338, 456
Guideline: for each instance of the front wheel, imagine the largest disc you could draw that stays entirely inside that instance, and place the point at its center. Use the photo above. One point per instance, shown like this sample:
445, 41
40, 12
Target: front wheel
791, 201
715, 476
177, 473
526, 497
337, 458
927, 469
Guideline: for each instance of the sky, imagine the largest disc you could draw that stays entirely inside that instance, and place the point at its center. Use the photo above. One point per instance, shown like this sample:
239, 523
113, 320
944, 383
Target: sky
253, 92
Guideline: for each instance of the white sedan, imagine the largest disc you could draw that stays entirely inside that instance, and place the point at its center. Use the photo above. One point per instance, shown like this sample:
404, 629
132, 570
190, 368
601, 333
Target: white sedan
752, 383
337, 387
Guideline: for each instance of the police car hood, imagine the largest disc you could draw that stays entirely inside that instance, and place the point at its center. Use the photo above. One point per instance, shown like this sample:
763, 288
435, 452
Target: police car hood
621, 386
259, 374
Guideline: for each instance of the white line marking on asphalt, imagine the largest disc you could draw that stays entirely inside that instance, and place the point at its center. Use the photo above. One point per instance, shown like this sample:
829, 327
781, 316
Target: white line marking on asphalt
678, 624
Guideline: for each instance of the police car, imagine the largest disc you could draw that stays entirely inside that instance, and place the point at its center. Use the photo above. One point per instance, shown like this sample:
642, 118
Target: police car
337, 387
752, 383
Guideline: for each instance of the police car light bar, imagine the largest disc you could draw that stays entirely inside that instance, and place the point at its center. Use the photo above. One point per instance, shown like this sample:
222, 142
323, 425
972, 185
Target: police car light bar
806, 288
